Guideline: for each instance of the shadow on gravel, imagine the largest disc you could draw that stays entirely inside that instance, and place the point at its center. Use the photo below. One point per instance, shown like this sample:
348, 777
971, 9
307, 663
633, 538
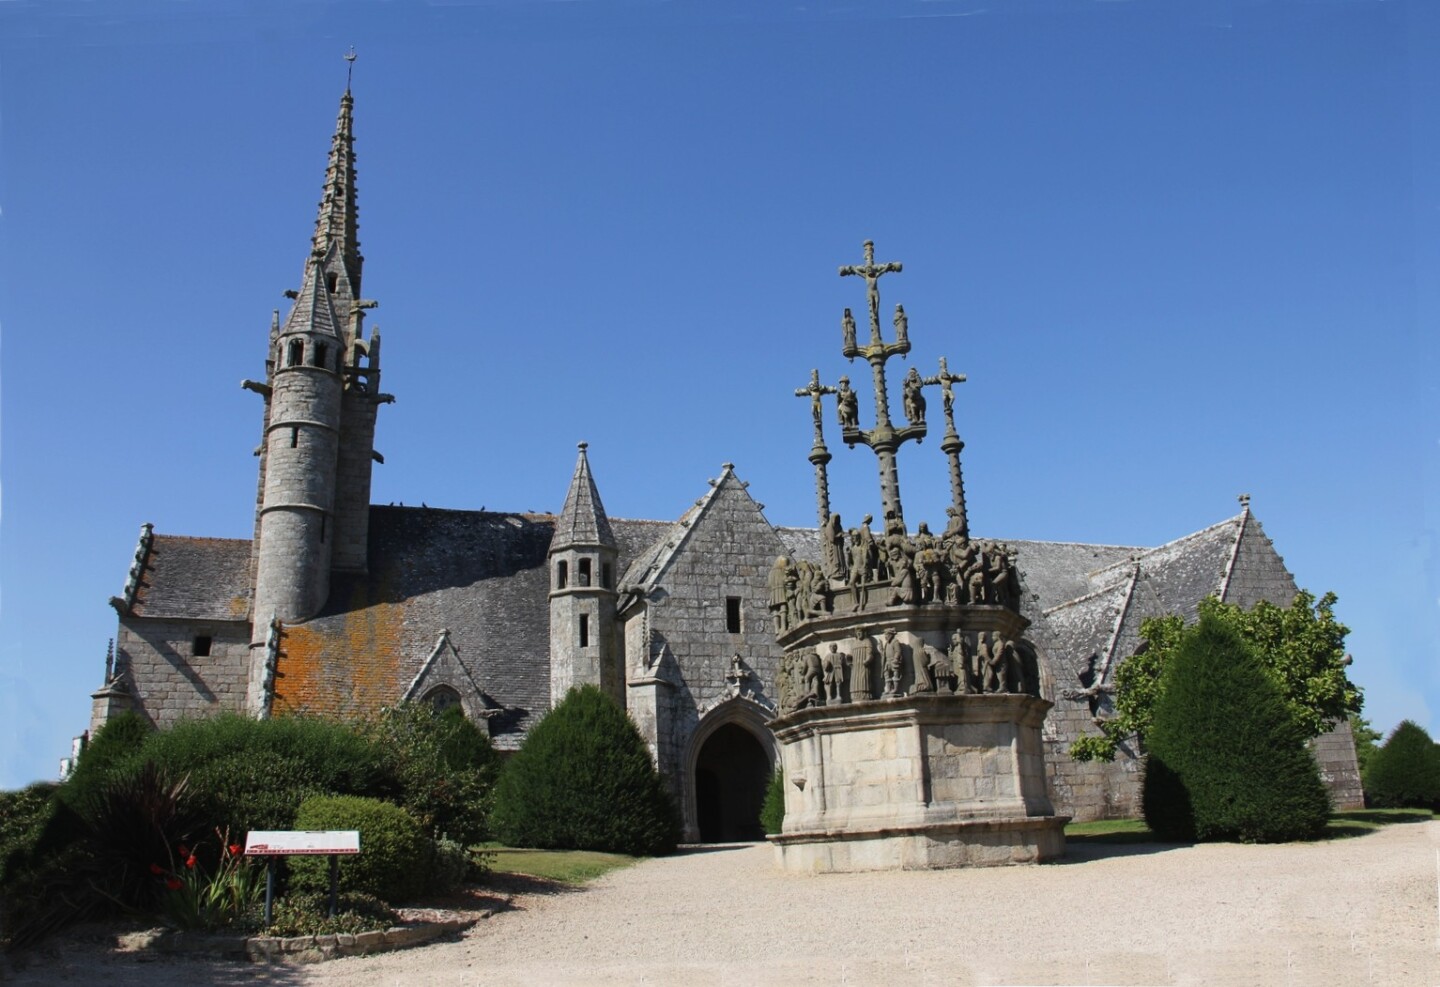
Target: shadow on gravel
690, 849
1083, 849
501, 887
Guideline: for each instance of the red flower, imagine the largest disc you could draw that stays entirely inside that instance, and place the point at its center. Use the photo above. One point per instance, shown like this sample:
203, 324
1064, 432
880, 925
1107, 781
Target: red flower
235, 849
190, 861
156, 869
173, 884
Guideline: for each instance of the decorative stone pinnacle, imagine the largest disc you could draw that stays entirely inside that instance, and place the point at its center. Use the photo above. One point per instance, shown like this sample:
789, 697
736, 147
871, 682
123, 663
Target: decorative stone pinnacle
1244, 499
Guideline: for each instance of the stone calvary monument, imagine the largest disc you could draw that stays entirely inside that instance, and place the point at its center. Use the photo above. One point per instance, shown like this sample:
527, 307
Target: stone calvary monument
910, 726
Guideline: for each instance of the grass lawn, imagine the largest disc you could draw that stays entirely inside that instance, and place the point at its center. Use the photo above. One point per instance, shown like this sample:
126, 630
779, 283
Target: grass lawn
1342, 824
566, 866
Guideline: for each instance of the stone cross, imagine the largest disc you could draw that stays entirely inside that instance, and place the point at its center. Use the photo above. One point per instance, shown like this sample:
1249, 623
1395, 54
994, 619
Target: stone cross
819, 455
871, 272
814, 390
946, 380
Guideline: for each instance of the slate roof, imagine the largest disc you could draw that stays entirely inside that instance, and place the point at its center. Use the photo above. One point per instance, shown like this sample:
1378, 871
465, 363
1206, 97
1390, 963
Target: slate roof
582, 520
195, 579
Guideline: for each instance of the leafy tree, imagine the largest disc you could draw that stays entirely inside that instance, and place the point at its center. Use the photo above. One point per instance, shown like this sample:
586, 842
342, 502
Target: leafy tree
1225, 759
1300, 647
1405, 771
583, 780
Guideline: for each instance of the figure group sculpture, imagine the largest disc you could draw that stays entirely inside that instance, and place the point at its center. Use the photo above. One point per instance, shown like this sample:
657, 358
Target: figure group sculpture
975, 663
896, 570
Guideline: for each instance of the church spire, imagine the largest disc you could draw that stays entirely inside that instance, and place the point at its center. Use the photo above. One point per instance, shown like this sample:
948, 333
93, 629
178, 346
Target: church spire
337, 237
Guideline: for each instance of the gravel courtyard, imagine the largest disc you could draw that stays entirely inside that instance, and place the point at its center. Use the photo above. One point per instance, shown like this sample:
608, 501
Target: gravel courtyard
1352, 911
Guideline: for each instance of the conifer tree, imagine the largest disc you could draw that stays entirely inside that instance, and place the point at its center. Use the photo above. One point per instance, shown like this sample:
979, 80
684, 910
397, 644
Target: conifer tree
1222, 741
1405, 771
583, 780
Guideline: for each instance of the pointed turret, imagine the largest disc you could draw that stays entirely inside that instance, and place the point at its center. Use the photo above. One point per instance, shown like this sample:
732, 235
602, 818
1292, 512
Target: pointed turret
583, 645
337, 228
582, 521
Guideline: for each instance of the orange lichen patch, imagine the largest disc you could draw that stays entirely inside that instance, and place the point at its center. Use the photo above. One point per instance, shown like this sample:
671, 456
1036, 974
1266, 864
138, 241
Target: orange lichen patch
239, 607
342, 665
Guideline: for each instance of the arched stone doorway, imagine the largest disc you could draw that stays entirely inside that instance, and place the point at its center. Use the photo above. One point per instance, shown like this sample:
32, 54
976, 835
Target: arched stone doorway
727, 762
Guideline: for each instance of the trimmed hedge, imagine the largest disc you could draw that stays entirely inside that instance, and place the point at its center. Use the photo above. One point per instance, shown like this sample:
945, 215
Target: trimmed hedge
1405, 771
1223, 740
395, 854
583, 780
772, 812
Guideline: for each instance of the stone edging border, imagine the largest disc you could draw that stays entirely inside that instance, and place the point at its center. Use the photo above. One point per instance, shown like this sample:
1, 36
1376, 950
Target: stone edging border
315, 949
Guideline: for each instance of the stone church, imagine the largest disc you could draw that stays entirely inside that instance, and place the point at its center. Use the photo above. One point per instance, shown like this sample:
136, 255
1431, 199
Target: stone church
337, 607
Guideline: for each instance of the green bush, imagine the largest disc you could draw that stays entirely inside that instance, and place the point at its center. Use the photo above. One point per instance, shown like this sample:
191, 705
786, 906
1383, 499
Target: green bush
772, 812
117, 739
449, 865
308, 914
395, 853
440, 767
1222, 729
1405, 771
583, 780
251, 774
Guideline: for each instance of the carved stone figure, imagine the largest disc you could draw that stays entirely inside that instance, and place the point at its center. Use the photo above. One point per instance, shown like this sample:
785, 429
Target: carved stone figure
929, 565
860, 664
859, 573
834, 664
914, 398
974, 574
902, 579
1009, 671
1001, 578
868, 549
847, 403
812, 681
923, 681
980, 663
832, 547
894, 652
778, 584
847, 330
902, 325
941, 670
960, 659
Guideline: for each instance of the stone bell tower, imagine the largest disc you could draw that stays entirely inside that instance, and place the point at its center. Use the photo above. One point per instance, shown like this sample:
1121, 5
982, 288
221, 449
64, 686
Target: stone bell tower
583, 645
321, 394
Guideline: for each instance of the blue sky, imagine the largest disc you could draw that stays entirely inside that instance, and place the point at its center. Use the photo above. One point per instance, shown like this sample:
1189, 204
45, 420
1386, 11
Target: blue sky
1183, 251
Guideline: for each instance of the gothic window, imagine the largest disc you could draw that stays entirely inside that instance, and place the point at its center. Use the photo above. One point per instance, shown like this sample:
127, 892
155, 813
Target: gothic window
200, 647
441, 698
607, 576
584, 576
294, 353
332, 282
584, 630
732, 614
562, 574
318, 355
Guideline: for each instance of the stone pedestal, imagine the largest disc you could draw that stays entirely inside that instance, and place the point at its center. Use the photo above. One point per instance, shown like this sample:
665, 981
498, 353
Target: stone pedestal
920, 782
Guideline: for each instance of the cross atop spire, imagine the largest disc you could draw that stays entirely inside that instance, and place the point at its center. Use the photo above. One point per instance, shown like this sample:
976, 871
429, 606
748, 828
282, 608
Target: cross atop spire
350, 57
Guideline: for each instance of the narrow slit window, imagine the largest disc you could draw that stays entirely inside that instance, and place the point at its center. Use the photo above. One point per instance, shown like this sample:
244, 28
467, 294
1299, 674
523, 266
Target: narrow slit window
294, 353
294, 438
732, 614
584, 630
584, 577
562, 574
607, 576
332, 282
200, 647
319, 354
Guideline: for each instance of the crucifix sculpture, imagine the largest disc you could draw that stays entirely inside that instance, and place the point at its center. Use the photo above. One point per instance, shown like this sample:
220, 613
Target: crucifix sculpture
884, 438
819, 455
952, 446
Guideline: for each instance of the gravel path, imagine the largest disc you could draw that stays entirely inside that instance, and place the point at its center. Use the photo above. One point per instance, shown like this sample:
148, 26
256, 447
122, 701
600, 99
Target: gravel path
1354, 911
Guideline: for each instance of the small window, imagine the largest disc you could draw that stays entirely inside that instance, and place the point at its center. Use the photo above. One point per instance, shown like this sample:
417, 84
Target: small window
441, 698
332, 281
607, 576
294, 353
562, 574
584, 576
318, 355
584, 630
732, 614
294, 437
200, 647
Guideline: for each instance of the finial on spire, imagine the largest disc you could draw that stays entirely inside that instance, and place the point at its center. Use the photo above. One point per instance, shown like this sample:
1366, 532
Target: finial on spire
1244, 499
350, 57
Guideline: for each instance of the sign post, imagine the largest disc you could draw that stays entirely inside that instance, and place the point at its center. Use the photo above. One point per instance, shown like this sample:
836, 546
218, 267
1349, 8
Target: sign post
271, 844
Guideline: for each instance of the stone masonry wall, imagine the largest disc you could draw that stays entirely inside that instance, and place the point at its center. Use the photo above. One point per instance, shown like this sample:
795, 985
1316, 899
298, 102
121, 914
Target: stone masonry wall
171, 682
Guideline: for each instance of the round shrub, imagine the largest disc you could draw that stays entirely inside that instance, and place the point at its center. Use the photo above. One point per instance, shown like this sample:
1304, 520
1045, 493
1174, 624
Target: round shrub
394, 859
117, 739
1405, 771
583, 780
1222, 737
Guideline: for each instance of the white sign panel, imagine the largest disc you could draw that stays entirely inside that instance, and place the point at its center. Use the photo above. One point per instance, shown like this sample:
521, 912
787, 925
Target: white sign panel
284, 842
